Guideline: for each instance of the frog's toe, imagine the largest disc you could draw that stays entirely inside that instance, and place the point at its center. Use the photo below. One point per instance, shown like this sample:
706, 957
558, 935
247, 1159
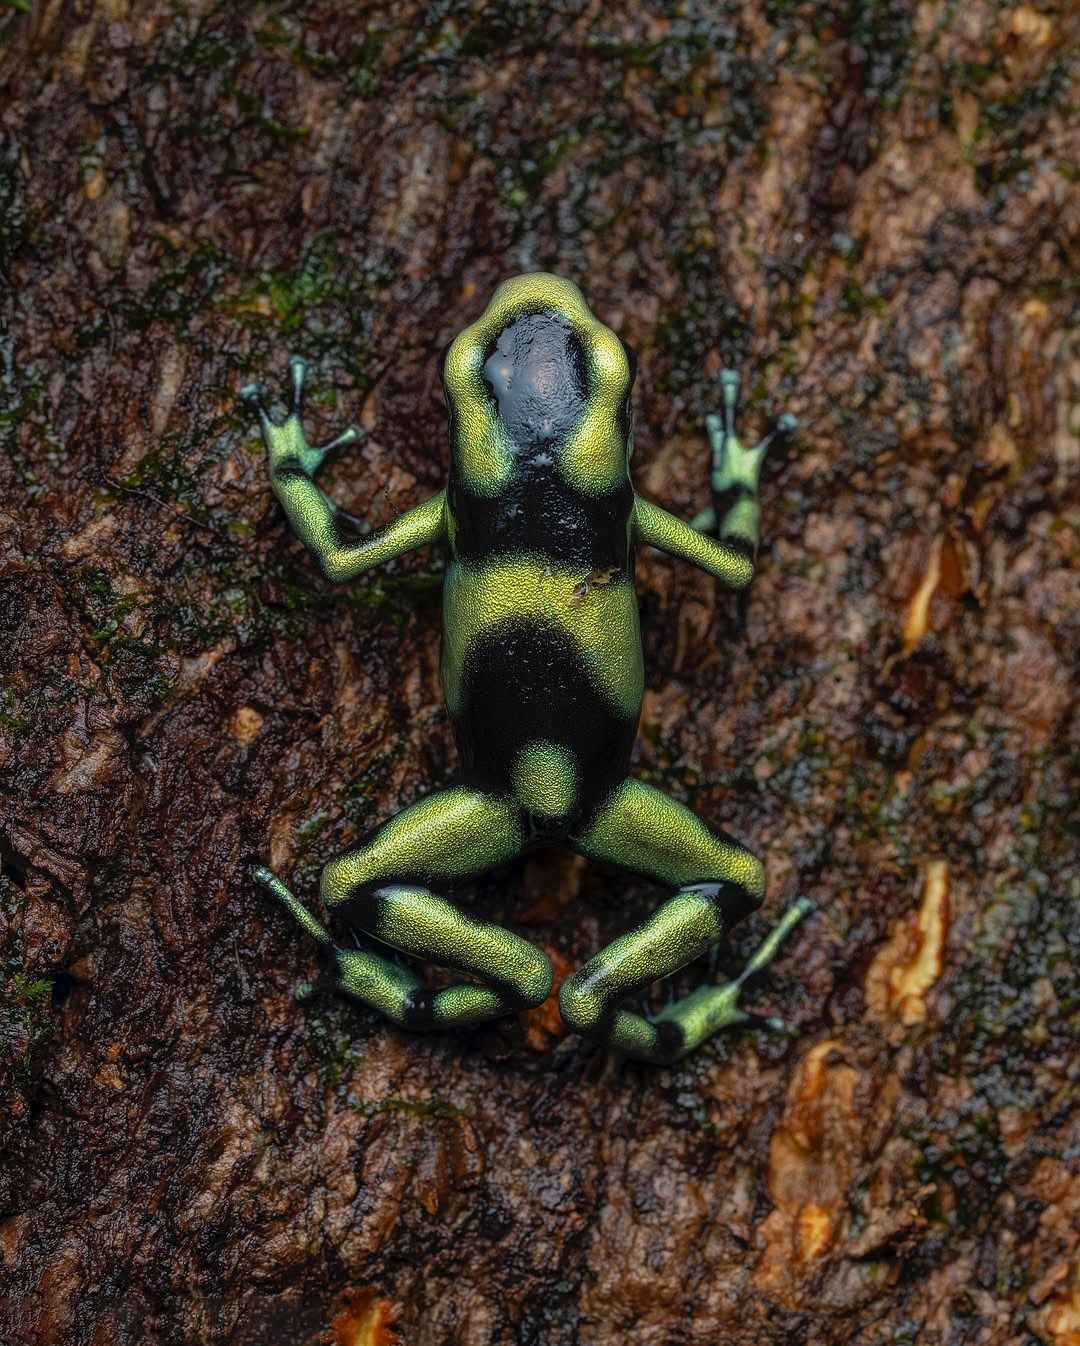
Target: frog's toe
350, 435
297, 376
251, 396
267, 879
784, 427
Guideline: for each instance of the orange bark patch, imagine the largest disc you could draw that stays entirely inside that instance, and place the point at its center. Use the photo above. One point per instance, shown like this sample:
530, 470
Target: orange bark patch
910, 962
245, 723
544, 1025
1060, 1320
917, 618
366, 1320
1030, 27
810, 1162
944, 577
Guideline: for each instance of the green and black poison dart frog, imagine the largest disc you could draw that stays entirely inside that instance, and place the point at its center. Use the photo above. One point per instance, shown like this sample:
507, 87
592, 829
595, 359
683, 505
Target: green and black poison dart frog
542, 674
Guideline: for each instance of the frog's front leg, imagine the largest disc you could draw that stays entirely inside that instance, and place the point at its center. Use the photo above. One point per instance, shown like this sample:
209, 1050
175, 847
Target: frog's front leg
384, 889
717, 881
314, 516
736, 472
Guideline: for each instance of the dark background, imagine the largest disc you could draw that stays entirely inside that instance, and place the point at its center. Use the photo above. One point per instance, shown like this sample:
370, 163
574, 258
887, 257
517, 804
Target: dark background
868, 208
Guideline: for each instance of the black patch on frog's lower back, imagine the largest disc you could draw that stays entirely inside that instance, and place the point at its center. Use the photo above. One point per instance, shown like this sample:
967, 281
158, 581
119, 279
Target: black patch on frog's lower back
526, 680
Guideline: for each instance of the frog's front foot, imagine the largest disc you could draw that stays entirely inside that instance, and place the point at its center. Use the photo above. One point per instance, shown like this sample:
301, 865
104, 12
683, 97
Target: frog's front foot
286, 445
729, 454
736, 469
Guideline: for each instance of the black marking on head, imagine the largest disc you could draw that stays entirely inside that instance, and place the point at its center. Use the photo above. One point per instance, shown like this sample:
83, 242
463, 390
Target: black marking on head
536, 372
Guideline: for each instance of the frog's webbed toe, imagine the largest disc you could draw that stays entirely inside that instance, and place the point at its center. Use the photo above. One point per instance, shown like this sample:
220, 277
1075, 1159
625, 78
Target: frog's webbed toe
286, 443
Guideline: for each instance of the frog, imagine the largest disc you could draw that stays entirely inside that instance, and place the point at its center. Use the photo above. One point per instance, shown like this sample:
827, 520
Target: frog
543, 677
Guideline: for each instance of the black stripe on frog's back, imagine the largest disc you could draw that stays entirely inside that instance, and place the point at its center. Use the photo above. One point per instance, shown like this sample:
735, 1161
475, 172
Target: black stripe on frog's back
539, 512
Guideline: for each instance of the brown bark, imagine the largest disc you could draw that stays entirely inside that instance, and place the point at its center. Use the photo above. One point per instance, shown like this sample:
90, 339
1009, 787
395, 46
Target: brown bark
872, 211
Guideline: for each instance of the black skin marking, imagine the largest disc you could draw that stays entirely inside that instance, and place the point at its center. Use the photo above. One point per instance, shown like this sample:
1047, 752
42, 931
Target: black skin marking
539, 512
536, 371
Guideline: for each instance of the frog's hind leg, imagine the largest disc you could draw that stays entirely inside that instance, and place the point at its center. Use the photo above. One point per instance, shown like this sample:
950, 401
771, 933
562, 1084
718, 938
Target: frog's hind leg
717, 881
384, 889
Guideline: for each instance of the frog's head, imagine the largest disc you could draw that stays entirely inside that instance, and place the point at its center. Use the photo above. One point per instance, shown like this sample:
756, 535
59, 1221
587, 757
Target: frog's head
538, 380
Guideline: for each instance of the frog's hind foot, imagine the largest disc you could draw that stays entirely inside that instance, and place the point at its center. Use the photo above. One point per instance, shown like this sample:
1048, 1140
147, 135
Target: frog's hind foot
267, 879
367, 892
711, 1008
369, 977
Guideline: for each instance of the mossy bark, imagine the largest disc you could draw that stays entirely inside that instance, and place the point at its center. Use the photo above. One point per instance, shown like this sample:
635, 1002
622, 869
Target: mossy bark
871, 211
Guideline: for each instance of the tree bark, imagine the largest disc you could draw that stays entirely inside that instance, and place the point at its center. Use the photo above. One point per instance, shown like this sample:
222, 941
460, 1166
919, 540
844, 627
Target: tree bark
871, 211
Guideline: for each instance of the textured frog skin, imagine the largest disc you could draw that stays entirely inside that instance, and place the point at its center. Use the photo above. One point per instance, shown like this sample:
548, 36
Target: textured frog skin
542, 673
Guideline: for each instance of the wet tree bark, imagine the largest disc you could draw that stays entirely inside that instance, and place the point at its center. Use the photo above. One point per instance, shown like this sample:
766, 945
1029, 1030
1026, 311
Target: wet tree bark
871, 211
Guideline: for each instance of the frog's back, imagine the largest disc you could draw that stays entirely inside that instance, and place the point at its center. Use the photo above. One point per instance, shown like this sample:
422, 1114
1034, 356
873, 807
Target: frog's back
541, 664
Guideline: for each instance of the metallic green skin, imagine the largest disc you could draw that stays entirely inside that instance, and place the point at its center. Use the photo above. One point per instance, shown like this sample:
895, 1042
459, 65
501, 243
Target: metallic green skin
542, 673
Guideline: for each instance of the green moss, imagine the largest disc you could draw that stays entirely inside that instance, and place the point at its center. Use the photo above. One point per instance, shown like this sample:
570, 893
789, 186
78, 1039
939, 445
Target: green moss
394, 595
686, 334
15, 219
326, 303
1011, 110
26, 1019
26, 406
366, 59
856, 301
330, 1038
13, 716
433, 1105
26, 1024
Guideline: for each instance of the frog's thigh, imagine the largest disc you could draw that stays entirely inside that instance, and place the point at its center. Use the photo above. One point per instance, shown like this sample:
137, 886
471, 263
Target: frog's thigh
642, 829
384, 888
717, 881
